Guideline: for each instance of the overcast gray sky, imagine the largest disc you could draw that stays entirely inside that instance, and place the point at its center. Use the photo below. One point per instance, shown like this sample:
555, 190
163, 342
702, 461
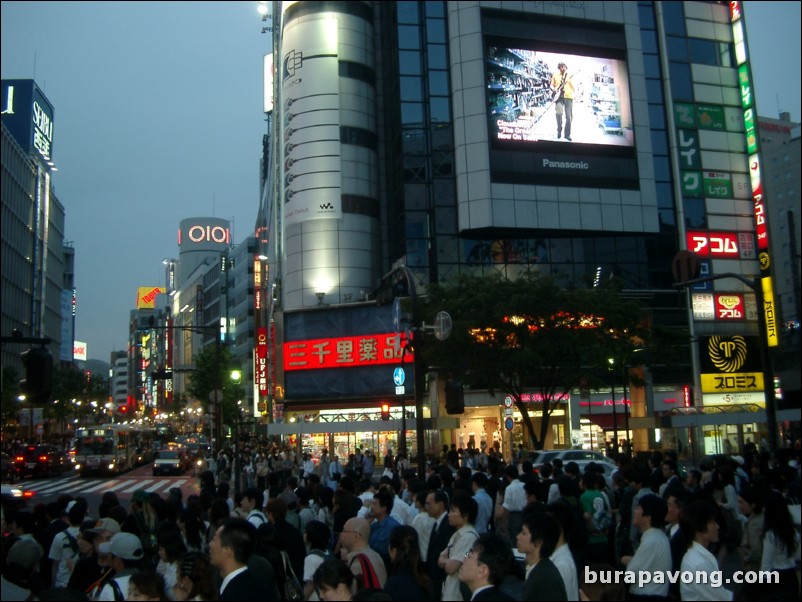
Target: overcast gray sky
158, 117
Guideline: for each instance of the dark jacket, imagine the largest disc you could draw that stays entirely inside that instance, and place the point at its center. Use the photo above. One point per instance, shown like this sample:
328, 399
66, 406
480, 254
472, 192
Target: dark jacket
402, 585
245, 587
491, 594
438, 543
291, 541
544, 583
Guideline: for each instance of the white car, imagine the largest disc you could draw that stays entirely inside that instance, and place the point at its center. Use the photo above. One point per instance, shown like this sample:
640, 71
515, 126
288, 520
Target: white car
582, 457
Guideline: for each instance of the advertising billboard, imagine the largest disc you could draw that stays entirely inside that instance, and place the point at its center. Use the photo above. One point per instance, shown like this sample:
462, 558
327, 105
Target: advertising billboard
146, 296
730, 364
557, 111
342, 353
28, 115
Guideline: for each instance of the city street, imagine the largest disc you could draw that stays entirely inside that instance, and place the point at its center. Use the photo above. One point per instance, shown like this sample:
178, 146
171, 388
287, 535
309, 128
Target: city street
93, 488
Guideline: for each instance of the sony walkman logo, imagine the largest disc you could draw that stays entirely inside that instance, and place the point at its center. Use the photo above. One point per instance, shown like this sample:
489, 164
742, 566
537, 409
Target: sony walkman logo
326, 207
727, 353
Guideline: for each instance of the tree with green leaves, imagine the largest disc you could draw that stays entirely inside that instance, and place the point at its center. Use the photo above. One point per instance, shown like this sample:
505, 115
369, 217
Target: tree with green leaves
529, 334
213, 366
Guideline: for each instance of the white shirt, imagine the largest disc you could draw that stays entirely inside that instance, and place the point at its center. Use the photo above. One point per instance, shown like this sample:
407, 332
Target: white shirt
653, 554
401, 511
107, 594
698, 558
564, 562
256, 518
775, 556
62, 552
460, 544
515, 496
422, 523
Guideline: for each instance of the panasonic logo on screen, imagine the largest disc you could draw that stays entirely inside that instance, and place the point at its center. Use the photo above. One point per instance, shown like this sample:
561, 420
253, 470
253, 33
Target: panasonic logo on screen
565, 164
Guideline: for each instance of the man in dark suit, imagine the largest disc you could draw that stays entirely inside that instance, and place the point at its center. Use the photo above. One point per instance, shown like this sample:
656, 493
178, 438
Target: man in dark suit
229, 551
437, 503
537, 540
485, 567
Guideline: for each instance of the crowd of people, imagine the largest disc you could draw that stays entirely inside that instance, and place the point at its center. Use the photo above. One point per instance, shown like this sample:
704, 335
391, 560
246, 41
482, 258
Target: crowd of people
474, 528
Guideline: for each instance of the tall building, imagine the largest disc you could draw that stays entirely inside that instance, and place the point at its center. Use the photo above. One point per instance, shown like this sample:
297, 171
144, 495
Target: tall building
780, 140
36, 264
578, 140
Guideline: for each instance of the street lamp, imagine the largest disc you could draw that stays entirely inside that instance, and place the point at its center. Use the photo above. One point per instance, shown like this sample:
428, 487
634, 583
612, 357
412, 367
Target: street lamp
611, 370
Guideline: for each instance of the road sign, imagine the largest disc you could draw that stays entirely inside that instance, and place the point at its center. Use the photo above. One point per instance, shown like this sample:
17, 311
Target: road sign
442, 326
399, 390
216, 396
508, 401
508, 423
399, 376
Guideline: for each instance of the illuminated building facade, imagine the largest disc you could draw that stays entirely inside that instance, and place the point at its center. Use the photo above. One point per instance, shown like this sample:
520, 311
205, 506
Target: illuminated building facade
434, 135
37, 268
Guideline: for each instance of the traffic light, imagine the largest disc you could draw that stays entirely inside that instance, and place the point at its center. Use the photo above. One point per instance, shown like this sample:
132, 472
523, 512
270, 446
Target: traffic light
38, 382
385, 411
455, 397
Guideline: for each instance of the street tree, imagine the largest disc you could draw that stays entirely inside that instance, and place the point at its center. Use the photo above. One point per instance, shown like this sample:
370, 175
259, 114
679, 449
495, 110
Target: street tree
531, 335
213, 366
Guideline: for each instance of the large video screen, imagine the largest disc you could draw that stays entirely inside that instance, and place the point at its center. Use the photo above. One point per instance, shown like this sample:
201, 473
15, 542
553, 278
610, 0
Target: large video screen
536, 96
559, 107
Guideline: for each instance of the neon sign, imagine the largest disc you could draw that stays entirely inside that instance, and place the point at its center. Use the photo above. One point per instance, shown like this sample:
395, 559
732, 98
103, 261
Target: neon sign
345, 352
713, 244
755, 178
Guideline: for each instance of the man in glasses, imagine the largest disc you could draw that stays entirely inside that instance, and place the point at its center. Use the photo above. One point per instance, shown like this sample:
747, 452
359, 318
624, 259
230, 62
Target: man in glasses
485, 566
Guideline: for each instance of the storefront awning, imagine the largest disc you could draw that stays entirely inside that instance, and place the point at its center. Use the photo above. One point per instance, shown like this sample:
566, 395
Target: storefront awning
356, 426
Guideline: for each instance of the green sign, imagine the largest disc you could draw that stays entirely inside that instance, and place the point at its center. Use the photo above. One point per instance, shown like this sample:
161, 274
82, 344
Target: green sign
745, 83
692, 184
711, 117
689, 156
684, 115
717, 185
751, 132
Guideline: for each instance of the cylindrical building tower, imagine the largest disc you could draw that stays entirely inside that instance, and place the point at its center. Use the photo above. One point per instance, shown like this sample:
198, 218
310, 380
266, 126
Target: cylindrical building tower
329, 205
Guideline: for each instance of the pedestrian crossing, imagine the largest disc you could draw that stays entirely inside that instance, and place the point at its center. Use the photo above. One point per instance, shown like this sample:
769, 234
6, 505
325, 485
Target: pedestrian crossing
122, 485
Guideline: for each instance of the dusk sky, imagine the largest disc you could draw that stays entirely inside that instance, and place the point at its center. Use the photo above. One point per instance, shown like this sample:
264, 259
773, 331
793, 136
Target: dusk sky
158, 117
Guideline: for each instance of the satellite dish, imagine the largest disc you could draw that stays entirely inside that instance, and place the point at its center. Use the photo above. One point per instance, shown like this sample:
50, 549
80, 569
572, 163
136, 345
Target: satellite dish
442, 326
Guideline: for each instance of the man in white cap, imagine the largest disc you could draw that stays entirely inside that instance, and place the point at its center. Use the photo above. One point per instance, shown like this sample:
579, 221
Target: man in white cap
126, 555
64, 549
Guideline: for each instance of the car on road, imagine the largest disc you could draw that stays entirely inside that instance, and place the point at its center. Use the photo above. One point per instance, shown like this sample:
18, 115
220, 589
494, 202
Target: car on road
169, 461
582, 457
14, 496
39, 461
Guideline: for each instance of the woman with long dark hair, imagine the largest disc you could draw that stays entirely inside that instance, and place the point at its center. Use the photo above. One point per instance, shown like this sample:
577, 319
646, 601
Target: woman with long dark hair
408, 577
780, 546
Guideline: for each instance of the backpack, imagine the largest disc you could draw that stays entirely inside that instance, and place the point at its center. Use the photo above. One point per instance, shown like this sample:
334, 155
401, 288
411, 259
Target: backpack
73, 543
602, 518
368, 578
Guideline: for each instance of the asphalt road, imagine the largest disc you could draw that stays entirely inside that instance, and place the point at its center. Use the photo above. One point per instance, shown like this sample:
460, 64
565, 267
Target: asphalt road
92, 488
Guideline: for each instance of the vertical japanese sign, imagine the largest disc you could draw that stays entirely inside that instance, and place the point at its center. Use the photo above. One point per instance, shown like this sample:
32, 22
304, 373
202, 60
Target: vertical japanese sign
756, 180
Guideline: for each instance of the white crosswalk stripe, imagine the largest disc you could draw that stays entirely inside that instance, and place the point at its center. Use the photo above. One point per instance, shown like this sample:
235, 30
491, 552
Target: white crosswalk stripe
123, 485
137, 485
101, 486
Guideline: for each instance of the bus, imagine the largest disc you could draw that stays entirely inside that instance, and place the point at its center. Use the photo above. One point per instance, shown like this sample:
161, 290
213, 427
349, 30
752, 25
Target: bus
112, 448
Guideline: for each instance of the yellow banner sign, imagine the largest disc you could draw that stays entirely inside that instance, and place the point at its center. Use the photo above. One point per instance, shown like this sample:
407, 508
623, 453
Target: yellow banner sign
733, 383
